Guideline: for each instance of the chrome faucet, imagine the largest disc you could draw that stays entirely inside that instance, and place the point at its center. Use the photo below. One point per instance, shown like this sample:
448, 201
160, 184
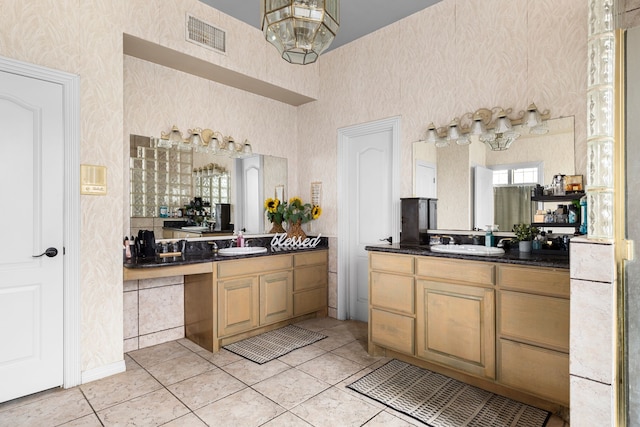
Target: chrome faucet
503, 241
452, 241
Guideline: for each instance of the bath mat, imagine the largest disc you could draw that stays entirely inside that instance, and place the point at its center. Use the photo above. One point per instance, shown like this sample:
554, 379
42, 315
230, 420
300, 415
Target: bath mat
440, 401
271, 345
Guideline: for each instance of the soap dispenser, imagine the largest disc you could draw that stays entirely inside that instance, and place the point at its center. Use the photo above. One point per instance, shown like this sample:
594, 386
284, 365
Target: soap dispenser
488, 237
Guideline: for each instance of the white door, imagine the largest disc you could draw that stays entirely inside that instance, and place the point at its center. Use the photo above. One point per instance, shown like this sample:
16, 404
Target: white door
32, 191
425, 179
483, 197
252, 199
371, 205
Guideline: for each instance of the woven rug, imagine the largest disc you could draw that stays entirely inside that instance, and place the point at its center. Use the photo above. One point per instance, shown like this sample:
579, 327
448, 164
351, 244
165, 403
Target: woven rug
271, 345
440, 401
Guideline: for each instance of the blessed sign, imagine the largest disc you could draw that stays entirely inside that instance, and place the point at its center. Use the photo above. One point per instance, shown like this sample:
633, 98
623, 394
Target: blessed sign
281, 240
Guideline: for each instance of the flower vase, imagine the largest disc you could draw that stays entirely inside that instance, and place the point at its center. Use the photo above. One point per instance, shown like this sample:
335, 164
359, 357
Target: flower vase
277, 228
295, 230
524, 245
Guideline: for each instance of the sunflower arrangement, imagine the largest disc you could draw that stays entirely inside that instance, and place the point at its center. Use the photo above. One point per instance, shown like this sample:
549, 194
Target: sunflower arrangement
298, 212
275, 210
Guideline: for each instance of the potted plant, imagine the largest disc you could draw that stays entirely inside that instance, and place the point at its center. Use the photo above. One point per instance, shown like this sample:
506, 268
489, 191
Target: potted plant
275, 214
525, 233
297, 213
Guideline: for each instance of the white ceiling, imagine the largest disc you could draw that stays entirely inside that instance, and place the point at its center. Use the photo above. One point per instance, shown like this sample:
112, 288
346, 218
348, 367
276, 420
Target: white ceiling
357, 17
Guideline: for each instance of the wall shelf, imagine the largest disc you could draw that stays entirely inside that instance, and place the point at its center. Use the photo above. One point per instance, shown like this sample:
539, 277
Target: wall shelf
564, 198
550, 199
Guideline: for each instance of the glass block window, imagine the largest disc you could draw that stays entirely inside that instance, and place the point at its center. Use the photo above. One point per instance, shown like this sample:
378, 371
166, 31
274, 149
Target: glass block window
212, 184
158, 177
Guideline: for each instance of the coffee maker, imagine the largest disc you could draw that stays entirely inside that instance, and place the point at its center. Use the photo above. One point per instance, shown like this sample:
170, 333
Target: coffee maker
223, 217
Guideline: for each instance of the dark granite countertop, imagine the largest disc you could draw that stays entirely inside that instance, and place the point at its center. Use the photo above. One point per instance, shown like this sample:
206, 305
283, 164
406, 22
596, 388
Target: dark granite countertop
200, 252
512, 256
203, 232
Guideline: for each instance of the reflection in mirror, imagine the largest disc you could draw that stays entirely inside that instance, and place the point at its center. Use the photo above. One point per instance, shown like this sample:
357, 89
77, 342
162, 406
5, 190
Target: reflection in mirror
171, 178
461, 201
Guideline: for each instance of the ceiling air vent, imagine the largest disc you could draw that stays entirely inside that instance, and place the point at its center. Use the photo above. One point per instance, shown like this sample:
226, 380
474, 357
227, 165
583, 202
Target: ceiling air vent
206, 35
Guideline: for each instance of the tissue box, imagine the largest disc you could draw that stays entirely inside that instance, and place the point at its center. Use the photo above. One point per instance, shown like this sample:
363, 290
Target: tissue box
538, 218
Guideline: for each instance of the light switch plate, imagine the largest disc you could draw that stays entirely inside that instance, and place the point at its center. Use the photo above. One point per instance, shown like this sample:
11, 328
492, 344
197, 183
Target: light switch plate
93, 180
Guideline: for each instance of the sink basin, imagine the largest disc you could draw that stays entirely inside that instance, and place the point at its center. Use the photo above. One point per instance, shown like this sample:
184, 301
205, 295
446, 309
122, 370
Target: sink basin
194, 228
468, 250
248, 250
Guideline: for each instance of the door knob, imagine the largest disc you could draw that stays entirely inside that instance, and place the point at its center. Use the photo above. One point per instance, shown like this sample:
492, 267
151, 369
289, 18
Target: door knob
388, 239
50, 252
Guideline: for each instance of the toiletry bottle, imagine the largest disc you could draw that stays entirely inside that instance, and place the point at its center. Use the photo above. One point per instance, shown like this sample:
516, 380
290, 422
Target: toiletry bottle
583, 215
240, 240
573, 214
488, 237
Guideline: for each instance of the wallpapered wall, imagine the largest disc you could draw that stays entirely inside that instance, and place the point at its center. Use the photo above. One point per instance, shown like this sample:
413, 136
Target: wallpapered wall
86, 38
454, 57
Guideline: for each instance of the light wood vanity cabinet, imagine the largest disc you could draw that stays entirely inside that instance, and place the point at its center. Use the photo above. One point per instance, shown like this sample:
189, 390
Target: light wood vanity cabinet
253, 292
505, 324
392, 302
533, 331
244, 297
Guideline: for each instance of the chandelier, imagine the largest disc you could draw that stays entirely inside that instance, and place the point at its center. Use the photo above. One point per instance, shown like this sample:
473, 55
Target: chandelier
300, 29
203, 141
493, 127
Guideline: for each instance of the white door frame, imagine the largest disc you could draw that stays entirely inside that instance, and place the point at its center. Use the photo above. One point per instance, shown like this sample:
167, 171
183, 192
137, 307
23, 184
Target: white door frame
391, 124
70, 84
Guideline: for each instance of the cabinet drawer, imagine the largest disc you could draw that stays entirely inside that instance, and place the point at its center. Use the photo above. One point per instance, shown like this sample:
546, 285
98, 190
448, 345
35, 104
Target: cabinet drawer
392, 263
476, 273
393, 292
539, 280
536, 319
310, 258
309, 277
309, 301
243, 267
392, 331
535, 370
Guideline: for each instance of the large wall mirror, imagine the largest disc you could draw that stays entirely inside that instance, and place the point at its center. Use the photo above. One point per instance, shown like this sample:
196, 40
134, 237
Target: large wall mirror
461, 177
171, 178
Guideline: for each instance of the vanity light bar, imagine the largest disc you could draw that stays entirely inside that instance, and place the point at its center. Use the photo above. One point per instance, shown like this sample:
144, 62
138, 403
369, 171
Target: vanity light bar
490, 125
203, 141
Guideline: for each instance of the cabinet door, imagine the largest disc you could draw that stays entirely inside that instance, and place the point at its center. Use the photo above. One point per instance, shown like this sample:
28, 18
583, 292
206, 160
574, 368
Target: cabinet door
536, 370
456, 326
237, 305
276, 297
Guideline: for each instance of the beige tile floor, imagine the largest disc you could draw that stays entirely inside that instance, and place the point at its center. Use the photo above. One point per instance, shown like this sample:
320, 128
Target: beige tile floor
180, 384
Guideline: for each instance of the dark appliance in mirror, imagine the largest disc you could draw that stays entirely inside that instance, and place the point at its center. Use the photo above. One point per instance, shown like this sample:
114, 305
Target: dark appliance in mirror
418, 215
223, 217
